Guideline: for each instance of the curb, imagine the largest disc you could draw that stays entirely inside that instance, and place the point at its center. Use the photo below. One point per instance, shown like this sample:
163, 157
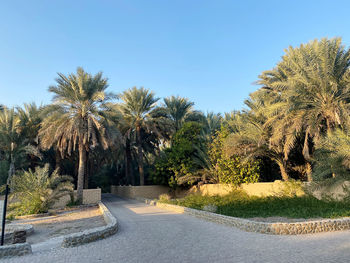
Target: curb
93, 234
297, 228
15, 250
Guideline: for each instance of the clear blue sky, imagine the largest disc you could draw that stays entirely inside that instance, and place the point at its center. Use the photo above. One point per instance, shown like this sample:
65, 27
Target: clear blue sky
208, 51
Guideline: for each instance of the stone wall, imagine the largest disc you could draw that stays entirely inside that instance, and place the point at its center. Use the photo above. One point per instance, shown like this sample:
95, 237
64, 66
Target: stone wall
90, 196
15, 250
147, 191
297, 228
93, 234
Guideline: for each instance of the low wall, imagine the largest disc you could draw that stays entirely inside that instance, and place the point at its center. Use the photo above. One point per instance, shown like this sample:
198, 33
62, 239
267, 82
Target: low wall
90, 196
297, 228
147, 191
15, 250
93, 234
255, 189
337, 191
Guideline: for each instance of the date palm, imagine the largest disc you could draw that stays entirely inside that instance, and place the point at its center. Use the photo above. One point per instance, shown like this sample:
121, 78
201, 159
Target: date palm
251, 136
178, 109
137, 109
313, 81
77, 119
14, 145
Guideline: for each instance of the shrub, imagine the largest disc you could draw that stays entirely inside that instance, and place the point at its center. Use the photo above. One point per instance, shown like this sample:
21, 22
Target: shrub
180, 159
36, 191
231, 169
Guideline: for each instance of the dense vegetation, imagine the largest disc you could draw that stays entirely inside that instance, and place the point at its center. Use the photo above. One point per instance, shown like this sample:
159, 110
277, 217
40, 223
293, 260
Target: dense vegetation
296, 125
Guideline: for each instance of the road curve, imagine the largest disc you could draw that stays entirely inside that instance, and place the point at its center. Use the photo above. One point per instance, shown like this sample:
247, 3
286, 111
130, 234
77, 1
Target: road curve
149, 234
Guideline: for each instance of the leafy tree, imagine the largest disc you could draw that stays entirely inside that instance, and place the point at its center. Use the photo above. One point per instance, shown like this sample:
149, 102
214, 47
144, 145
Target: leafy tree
78, 118
231, 169
179, 162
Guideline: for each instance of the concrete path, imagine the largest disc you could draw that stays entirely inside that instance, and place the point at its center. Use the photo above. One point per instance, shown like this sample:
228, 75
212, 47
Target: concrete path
149, 234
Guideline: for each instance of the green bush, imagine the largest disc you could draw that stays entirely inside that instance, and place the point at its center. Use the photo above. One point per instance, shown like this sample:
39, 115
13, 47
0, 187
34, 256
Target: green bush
231, 169
179, 160
36, 191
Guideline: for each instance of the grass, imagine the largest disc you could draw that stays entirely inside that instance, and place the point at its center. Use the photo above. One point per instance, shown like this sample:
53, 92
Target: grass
239, 204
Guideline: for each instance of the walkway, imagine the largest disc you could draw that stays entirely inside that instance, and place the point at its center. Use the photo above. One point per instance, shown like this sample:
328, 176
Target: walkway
149, 234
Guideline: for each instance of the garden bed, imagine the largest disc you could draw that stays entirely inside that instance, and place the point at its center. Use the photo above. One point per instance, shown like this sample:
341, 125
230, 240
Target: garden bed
267, 209
63, 222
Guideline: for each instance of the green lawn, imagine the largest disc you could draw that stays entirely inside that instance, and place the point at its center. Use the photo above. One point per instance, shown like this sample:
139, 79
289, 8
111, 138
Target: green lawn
239, 204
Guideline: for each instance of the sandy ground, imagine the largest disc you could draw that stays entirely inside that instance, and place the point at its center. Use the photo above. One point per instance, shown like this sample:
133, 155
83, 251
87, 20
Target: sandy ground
63, 223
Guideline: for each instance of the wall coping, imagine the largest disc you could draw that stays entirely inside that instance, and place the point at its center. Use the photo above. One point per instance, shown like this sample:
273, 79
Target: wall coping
276, 228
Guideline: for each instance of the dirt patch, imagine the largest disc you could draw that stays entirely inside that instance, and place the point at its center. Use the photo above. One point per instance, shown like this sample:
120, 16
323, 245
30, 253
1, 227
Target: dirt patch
63, 223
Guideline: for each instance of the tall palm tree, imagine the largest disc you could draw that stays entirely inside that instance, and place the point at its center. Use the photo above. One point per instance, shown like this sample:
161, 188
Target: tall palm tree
13, 144
30, 116
77, 118
313, 81
178, 109
137, 109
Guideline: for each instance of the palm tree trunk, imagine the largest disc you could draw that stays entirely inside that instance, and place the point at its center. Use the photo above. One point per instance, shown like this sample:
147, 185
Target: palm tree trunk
283, 170
57, 160
81, 171
140, 155
87, 172
11, 171
308, 172
128, 170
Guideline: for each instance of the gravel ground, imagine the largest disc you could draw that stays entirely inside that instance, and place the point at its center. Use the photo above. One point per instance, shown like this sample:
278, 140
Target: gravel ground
149, 234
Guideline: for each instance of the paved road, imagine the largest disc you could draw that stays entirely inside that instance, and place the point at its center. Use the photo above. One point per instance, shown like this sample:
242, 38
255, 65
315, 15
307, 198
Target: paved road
149, 234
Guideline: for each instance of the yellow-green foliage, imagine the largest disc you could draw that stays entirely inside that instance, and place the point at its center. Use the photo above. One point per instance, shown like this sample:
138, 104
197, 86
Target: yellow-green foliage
231, 169
35, 192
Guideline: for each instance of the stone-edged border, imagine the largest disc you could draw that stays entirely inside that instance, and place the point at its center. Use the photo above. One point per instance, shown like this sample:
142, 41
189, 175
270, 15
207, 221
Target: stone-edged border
297, 228
15, 250
93, 234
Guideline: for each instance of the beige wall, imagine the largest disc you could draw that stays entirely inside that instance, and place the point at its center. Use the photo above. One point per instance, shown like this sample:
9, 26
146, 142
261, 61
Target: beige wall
276, 188
256, 189
147, 191
90, 196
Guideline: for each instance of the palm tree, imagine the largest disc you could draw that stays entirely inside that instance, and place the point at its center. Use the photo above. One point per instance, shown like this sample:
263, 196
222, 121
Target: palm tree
30, 116
332, 156
137, 109
313, 82
10, 137
178, 110
251, 133
13, 144
77, 118
38, 190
